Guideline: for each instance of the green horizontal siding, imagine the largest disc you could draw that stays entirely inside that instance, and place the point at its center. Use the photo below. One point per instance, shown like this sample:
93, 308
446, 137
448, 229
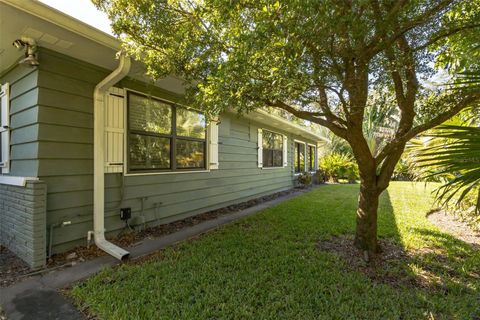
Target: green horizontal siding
23, 120
65, 153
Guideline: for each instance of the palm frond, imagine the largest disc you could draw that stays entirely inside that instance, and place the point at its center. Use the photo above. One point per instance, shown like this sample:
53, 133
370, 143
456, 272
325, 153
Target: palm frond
457, 154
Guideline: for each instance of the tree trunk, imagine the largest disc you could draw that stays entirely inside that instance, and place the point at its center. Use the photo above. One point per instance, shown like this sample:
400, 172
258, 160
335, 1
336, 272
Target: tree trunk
366, 232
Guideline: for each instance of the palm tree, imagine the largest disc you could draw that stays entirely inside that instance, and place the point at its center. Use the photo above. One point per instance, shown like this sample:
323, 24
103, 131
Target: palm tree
453, 151
381, 120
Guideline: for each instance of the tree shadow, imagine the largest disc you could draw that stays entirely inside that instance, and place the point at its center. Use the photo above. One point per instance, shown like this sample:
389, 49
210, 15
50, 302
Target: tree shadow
434, 261
447, 263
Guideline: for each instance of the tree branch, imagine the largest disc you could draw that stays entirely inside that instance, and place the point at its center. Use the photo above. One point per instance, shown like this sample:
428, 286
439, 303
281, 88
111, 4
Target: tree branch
314, 117
436, 121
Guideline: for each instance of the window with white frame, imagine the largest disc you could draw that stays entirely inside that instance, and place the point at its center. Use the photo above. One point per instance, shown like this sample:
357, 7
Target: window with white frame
5, 128
299, 155
272, 149
163, 136
312, 157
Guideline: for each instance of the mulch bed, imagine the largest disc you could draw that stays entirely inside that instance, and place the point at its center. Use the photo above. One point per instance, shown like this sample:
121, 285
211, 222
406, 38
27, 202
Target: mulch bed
391, 266
13, 270
377, 267
388, 267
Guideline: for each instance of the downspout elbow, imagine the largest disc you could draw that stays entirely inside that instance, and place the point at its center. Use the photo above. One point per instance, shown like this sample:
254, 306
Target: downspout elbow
98, 157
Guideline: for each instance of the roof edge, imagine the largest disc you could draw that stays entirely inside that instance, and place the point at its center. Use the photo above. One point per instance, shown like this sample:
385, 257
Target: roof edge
291, 125
264, 117
65, 21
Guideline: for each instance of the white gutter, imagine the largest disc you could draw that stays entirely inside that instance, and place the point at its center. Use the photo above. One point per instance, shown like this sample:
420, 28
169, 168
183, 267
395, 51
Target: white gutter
98, 158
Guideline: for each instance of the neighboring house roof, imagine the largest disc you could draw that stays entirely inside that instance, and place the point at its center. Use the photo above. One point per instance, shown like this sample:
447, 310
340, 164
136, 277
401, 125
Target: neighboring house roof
60, 32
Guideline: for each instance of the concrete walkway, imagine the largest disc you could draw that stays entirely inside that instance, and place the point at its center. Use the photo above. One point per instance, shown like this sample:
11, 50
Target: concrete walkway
37, 298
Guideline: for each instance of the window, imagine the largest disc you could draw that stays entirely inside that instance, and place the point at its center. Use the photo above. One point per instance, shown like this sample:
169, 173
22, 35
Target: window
299, 157
272, 149
272, 144
312, 153
164, 137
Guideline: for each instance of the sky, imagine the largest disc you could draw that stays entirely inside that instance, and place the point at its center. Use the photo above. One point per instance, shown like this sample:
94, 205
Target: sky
82, 10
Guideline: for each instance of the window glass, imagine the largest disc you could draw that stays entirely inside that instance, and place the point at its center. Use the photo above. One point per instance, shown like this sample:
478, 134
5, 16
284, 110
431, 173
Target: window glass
149, 115
149, 152
267, 158
277, 158
299, 157
190, 154
272, 145
151, 136
190, 124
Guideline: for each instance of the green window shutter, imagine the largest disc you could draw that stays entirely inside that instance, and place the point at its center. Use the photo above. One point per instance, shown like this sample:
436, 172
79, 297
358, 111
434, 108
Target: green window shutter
260, 148
5, 128
114, 130
213, 145
285, 151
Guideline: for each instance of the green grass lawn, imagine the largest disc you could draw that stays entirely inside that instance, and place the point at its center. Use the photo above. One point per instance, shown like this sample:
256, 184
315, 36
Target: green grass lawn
267, 266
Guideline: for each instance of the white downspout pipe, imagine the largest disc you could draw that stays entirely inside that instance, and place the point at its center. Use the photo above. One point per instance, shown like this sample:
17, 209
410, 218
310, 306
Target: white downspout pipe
98, 157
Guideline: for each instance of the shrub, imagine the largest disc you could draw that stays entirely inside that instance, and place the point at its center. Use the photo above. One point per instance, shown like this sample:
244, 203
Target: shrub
304, 179
319, 177
339, 166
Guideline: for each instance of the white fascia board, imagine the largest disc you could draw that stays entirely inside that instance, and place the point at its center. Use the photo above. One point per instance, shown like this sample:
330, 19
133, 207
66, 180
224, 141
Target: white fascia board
65, 21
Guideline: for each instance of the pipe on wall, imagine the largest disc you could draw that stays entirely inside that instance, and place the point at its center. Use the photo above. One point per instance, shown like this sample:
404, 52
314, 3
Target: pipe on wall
98, 157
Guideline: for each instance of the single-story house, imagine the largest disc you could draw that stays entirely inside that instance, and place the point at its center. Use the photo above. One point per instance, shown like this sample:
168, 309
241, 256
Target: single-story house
84, 134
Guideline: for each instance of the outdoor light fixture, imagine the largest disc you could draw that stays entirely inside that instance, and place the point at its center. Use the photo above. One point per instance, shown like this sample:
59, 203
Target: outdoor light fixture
30, 46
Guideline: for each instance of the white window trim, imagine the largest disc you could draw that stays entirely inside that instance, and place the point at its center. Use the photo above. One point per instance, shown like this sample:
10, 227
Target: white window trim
5, 128
165, 173
260, 148
315, 161
213, 161
16, 181
284, 154
295, 155
125, 135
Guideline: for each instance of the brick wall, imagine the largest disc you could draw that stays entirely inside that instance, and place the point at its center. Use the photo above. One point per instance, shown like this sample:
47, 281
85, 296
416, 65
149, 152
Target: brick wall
23, 221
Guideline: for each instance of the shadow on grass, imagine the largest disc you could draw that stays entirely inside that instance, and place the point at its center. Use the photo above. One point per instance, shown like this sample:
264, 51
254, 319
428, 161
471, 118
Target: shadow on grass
447, 261
443, 265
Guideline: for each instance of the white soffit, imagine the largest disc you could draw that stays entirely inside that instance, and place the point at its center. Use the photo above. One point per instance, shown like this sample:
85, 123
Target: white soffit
15, 23
59, 32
